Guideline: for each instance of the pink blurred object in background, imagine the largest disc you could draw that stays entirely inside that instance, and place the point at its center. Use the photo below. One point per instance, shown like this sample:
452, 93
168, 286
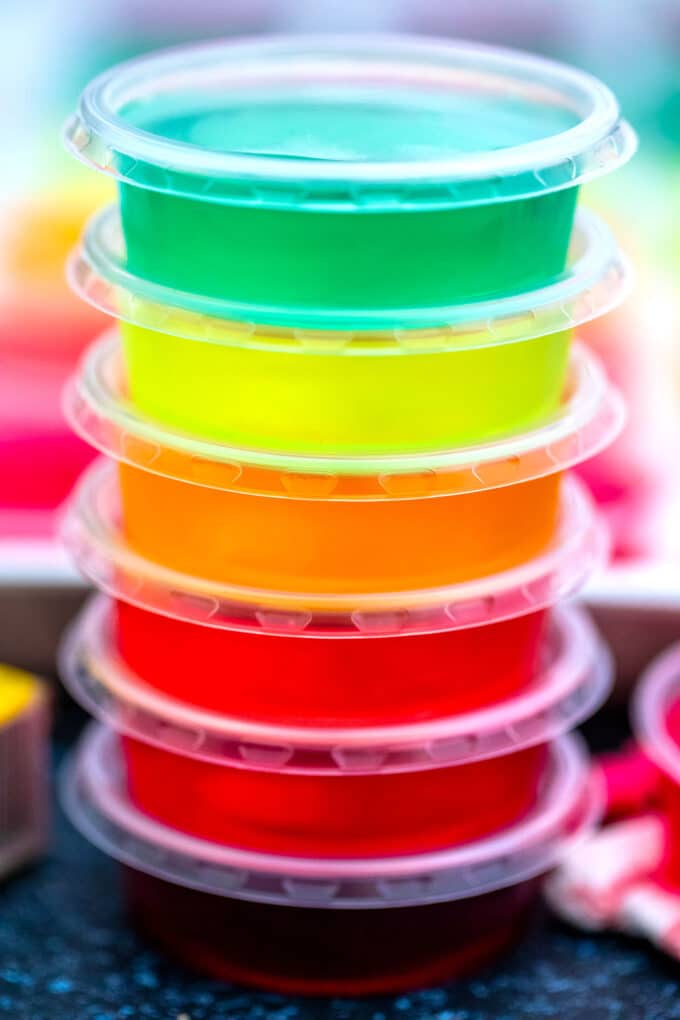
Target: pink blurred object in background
43, 330
630, 480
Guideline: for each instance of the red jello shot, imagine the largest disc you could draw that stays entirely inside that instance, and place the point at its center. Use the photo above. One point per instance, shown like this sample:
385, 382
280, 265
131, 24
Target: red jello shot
332, 815
315, 791
656, 724
321, 952
335, 677
356, 660
329, 927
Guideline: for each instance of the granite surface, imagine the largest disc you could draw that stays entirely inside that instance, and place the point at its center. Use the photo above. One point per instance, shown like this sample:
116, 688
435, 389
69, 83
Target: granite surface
67, 953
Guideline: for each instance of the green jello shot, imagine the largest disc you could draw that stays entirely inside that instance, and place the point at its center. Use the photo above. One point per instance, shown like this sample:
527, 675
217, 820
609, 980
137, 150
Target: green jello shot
497, 369
348, 182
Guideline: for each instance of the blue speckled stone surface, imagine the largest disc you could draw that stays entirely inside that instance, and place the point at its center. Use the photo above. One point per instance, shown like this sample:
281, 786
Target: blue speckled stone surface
67, 953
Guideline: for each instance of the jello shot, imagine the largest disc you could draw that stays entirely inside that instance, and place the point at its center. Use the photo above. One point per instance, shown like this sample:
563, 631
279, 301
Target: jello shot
335, 927
348, 181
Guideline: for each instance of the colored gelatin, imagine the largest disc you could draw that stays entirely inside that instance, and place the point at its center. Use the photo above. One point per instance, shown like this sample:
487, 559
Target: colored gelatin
335, 545
308, 951
362, 261
311, 402
343, 815
330, 679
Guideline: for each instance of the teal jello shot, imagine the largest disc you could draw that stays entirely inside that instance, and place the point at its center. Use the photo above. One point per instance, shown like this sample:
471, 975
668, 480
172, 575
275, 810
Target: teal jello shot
348, 182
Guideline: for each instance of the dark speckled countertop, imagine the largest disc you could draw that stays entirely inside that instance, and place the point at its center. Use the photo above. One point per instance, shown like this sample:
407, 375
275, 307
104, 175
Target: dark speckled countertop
67, 953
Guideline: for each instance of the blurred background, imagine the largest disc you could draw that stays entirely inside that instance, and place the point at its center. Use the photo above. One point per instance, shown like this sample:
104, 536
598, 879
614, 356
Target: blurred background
50, 50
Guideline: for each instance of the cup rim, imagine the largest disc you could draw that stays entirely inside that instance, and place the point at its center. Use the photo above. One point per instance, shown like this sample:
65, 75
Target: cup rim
100, 135
96, 407
571, 683
597, 279
91, 532
569, 805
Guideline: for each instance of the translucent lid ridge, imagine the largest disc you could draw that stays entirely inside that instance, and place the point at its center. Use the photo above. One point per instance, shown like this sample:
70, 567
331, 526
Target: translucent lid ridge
93, 796
96, 406
596, 280
91, 531
573, 680
568, 123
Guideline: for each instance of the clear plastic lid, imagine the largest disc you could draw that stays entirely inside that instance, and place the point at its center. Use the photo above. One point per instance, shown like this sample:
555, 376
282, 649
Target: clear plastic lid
568, 806
92, 532
349, 123
97, 407
657, 692
23, 768
594, 283
572, 682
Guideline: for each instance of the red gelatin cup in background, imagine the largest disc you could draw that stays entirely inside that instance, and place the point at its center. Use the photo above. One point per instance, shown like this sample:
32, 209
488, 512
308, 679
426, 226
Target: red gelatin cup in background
656, 724
329, 927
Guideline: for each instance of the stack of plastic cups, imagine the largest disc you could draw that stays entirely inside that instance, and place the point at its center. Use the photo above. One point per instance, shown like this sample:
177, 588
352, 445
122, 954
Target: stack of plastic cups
341, 404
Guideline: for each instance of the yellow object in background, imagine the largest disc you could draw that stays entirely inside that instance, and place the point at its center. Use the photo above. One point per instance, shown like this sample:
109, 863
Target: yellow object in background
18, 691
23, 769
43, 226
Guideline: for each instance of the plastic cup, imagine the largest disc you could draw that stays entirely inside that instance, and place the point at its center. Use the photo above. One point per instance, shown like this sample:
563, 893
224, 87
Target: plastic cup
357, 952
346, 179
312, 790
340, 927
337, 525
656, 725
496, 368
